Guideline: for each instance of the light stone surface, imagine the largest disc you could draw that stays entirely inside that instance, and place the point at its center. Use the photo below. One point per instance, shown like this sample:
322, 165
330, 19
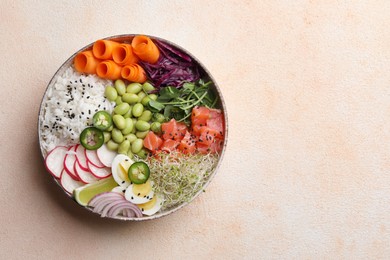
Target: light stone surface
306, 174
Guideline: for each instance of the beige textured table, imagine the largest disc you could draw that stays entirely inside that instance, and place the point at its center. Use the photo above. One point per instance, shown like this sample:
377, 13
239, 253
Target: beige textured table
306, 174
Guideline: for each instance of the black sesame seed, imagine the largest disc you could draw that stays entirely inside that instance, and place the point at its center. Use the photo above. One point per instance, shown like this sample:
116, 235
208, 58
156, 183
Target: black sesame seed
132, 197
139, 194
123, 182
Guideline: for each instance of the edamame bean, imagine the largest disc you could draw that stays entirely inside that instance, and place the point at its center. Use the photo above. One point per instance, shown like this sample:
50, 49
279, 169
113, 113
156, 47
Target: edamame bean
146, 116
118, 100
119, 121
147, 87
117, 135
134, 122
128, 126
137, 145
142, 125
124, 147
111, 145
141, 134
156, 127
134, 88
110, 93
128, 113
137, 109
130, 98
143, 153
158, 117
120, 87
107, 136
145, 100
121, 109
130, 154
141, 95
130, 137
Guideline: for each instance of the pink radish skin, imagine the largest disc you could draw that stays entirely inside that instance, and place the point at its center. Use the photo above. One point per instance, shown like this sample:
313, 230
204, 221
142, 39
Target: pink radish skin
80, 157
85, 176
100, 173
54, 161
69, 161
105, 156
92, 158
68, 183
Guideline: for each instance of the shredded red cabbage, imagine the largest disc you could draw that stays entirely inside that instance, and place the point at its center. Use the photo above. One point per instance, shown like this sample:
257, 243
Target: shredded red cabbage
173, 67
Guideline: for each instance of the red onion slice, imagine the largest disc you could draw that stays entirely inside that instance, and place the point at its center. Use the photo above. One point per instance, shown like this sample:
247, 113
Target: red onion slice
115, 210
103, 195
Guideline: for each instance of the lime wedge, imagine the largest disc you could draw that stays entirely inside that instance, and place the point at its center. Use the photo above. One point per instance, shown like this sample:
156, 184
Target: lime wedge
85, 193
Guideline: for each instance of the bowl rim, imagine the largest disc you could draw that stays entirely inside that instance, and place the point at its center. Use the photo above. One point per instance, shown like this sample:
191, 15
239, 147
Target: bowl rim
123, 38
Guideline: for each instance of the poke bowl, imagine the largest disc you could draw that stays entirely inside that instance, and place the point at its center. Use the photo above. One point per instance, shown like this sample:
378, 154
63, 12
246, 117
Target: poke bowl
132, 127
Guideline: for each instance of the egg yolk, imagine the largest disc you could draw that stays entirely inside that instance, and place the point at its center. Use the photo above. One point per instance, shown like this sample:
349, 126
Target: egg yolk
142, 190
123, 169
148, 205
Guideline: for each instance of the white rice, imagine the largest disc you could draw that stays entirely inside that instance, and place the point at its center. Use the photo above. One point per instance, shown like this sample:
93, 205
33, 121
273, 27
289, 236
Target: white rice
68, 107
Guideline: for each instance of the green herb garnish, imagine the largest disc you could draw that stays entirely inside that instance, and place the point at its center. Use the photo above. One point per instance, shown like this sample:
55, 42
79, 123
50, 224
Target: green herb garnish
178, 103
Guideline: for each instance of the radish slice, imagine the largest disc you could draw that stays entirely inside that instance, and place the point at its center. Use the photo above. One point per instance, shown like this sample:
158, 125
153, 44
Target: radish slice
92, 158
105, 155
54, 161
80, 157
68, 183
85, 175
99, 172
69, 161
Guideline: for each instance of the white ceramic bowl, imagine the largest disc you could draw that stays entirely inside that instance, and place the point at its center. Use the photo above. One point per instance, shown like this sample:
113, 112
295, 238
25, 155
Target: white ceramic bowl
207, 76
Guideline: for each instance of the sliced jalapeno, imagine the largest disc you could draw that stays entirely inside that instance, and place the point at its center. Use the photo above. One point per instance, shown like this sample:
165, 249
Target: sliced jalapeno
92, 138
139, 172
102, 120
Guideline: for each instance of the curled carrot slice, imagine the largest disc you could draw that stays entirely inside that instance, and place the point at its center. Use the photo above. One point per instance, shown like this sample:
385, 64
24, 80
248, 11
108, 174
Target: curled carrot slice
123, 55
145, 49
102, 49
108, 70
134, 73
85, 62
